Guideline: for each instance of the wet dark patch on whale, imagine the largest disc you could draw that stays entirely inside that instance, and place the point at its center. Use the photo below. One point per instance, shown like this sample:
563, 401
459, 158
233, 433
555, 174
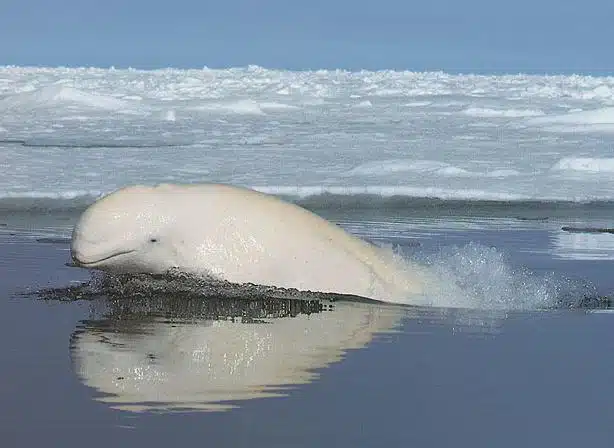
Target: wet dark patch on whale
183, 289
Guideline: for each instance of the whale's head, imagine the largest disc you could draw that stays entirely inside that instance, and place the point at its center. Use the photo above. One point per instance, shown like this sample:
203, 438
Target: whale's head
129, 230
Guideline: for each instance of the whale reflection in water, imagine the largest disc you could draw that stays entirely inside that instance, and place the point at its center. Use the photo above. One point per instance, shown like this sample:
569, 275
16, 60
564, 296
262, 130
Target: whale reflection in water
209, 362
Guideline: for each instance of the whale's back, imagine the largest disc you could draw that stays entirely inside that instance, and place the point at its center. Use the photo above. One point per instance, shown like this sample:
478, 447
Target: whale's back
244, 236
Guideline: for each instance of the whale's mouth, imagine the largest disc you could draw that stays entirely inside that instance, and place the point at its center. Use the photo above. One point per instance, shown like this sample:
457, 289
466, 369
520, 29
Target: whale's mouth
80, 261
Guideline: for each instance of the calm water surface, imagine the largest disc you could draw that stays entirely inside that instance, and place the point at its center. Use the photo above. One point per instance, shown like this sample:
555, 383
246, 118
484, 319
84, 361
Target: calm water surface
104, 373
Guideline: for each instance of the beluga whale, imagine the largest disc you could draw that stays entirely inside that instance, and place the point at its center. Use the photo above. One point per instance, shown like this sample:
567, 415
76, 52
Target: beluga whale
237, 235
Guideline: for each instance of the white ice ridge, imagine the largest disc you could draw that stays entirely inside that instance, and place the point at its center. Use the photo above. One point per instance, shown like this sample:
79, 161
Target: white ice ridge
434, 167
391, 191
171, 84
404, 165
57, 95
305, 191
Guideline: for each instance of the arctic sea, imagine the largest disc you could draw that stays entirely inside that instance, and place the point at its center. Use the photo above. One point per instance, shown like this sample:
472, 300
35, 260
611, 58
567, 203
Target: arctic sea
503, 186
68, 134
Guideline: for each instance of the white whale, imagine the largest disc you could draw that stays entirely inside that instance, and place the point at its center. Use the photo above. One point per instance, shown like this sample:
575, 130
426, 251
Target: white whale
236, 235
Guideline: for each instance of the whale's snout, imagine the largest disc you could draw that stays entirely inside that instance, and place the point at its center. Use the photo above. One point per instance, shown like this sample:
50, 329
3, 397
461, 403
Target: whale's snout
80, 254
97, 258
88, 254
76, 255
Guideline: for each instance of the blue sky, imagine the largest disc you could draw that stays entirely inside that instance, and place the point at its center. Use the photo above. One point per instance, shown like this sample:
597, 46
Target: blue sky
452, 35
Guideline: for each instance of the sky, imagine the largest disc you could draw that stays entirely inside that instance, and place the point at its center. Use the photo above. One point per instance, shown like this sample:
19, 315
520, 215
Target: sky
483, 36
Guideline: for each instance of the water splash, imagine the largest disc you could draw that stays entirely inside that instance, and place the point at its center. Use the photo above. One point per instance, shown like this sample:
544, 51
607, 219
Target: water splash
475, 276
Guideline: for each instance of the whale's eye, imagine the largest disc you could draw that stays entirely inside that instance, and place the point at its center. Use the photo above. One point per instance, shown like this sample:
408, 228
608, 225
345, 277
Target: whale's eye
153, 240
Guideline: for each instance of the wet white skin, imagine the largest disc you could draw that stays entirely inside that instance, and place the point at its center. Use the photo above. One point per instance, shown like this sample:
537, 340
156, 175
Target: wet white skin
237, 235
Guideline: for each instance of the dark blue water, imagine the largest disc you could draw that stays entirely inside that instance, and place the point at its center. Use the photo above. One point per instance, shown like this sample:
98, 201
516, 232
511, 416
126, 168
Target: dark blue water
440, 378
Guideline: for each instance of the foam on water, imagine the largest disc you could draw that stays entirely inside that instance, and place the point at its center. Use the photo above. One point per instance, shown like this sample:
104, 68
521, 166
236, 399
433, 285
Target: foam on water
479, 277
